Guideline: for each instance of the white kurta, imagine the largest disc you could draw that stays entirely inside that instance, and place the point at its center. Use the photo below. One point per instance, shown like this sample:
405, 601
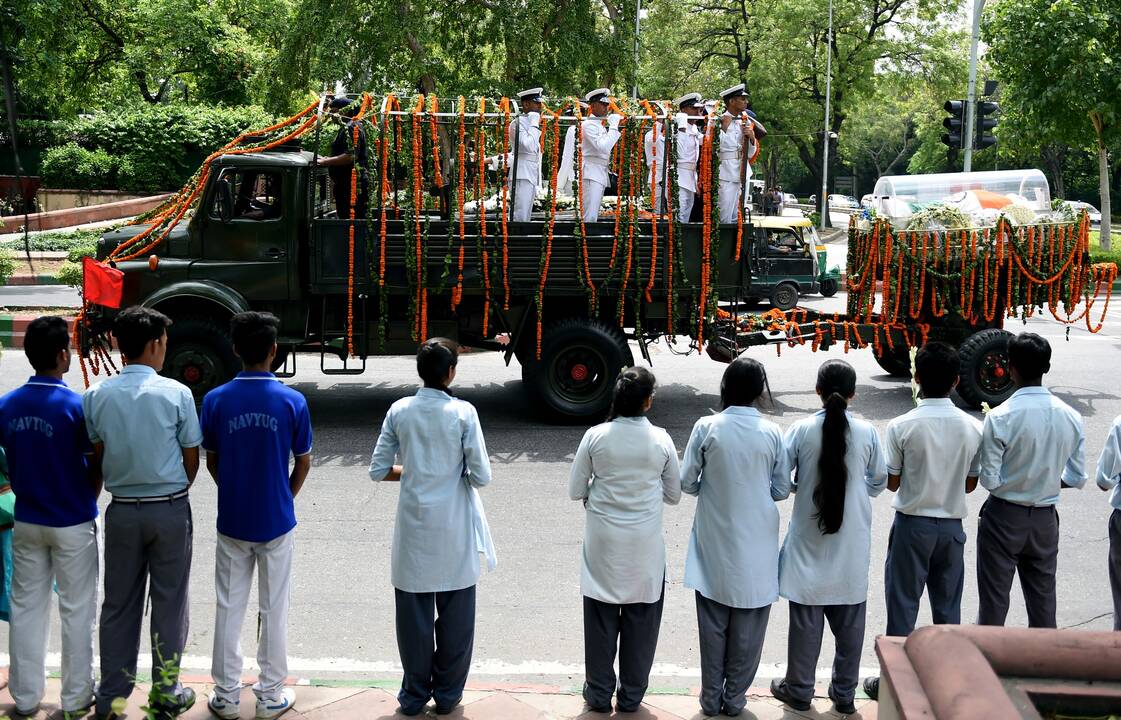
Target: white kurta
736, 465
524, 134
733, 173
817, 569
624, 470
440, 526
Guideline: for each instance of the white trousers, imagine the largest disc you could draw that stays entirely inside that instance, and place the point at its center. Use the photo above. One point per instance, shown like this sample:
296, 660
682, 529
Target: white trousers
42, 556
685, 199
523, 200
729, 201
593, 194
233, 575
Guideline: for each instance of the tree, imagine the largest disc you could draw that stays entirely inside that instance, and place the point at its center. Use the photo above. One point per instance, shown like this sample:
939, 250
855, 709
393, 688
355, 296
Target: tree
1060, 61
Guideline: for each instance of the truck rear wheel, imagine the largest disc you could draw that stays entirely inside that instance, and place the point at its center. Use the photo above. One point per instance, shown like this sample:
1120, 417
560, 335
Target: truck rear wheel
784, 296
580, 360
895, 361
985, 375
199, 354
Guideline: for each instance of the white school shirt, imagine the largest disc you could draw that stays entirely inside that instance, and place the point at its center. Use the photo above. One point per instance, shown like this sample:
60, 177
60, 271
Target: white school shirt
688, 156
624, 470
737, 467
598, 142
1031, 444
440, 527
933, 448
818, 569
732, 150
1109, 465
528, 139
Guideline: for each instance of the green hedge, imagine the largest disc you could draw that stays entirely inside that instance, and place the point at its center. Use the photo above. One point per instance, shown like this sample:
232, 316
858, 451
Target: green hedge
71, 166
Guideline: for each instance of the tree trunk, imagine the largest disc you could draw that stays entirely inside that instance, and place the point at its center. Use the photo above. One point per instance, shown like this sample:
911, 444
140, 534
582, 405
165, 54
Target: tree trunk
1103, 182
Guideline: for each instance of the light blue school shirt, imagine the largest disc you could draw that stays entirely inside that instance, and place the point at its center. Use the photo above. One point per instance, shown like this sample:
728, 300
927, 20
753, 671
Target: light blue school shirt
440, 527
737, 467
1030, 445
144, 420
1109, 465
818, 569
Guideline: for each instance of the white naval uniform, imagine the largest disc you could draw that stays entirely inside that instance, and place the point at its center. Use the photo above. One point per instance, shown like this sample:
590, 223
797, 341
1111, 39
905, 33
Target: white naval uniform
654, 146
597, 141
528, 139
732, 151
689, 142
566, 175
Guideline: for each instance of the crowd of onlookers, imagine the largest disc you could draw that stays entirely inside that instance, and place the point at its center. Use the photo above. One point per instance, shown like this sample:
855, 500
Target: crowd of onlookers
137, 436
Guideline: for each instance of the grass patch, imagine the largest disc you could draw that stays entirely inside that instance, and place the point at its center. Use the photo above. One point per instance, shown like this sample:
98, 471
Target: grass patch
57, 241
1098, 255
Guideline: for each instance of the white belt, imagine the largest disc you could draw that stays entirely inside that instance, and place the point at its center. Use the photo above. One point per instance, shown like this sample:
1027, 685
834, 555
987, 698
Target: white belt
727, 155
597, 162
687, 166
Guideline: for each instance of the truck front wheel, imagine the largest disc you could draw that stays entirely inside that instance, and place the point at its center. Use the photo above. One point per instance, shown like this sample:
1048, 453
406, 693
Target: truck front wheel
199, 354
580, 360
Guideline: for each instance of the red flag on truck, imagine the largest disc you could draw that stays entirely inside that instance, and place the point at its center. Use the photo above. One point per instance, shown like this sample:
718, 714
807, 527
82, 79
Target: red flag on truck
101, 284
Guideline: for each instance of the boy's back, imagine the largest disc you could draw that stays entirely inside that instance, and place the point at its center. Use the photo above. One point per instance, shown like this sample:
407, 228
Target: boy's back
933, 448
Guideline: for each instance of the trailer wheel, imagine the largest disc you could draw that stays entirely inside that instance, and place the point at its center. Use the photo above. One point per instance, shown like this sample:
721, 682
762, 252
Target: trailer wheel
829, 287
895, 361
580, 360
985, 376
784, 296
200, 355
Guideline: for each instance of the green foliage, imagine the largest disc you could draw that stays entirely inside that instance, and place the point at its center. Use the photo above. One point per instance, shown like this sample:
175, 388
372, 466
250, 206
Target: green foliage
70, 272
73, 167
7, 266
57, 241
1098, 255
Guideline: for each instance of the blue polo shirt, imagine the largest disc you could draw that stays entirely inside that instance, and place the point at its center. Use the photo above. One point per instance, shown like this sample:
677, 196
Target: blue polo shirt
255, 424
43, 430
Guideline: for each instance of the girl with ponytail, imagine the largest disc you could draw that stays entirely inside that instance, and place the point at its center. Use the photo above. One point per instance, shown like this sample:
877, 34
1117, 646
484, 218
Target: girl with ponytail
823, 567
624, 470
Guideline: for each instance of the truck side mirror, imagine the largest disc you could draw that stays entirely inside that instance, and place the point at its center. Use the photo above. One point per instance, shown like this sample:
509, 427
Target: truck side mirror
225, 201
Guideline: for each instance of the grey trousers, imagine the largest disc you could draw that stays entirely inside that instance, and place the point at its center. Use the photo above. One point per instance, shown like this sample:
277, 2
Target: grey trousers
1115, 565
923, 552
807, 624
435, 637
1015, 538
145, 544
633, 630
731, 645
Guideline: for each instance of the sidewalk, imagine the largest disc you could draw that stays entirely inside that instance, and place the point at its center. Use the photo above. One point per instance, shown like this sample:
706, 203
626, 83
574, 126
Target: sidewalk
377, 701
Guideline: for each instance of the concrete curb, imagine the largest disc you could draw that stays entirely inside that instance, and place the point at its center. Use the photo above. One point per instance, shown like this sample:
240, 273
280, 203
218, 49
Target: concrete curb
33, 280
14, 327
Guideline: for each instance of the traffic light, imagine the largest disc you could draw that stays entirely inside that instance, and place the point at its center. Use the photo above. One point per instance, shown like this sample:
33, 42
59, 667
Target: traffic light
983, 130
954, 124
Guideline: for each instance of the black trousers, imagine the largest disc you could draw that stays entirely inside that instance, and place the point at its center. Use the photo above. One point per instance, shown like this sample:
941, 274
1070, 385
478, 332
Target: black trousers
1115, 565
631, 629
435, 637
1015, 538
923, 552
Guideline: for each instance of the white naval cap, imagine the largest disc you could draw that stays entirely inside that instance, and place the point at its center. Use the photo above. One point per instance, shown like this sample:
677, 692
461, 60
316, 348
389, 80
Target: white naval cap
688, 100
533, 94
598, 95
734, 91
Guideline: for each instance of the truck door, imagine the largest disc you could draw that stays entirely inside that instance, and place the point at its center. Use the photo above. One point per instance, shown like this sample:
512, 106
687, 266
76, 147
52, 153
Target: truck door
248, 238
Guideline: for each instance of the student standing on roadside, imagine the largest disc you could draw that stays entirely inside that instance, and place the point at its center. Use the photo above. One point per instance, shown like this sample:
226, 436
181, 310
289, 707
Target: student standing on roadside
1109, 476
252, 426
1032, 446
439, 532
932, 462
624, 470
146, 433
823, 569
737, 467
55, 536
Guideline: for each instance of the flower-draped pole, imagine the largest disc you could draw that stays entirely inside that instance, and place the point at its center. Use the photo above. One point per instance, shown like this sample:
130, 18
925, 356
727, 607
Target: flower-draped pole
915, 278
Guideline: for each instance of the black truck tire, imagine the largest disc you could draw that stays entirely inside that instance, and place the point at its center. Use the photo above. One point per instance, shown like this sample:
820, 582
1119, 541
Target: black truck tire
784, 296
896, 362
574, 379
985, 376
829, 287
200, 354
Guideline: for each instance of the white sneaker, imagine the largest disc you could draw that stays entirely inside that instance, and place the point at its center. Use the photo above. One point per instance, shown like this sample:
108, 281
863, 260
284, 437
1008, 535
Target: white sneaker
275, 707
223, 708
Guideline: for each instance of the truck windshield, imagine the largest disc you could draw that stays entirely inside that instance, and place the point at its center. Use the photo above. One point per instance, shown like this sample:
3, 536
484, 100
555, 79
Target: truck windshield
255, 193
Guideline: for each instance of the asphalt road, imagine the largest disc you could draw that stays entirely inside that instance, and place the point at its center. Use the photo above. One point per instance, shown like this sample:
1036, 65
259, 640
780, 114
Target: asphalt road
43, 296
529, 616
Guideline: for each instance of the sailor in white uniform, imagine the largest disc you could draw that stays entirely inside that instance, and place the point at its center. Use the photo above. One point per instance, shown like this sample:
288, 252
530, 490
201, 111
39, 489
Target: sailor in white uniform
524, 138
689, 138
597, 141
566, 175
654, 147
737, 145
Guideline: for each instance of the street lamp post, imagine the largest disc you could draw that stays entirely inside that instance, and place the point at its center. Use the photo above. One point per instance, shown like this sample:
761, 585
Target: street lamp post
637, 21
825, 132
971, 93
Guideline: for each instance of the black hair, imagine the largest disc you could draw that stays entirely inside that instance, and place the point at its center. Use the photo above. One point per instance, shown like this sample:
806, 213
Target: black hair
253, 334
137, 326
836, 383
742, 383
1030, 355
44, 339
434, 360
633, 387
937, 366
